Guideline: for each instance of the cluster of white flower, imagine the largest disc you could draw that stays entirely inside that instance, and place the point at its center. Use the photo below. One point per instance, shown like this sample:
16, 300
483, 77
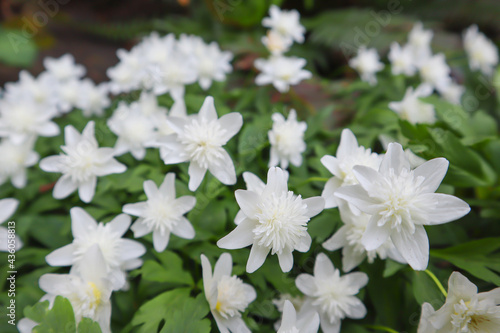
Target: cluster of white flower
278, 69
164, 64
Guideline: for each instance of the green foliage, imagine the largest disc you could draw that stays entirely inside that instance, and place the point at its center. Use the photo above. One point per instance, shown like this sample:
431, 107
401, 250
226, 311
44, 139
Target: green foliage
16, 48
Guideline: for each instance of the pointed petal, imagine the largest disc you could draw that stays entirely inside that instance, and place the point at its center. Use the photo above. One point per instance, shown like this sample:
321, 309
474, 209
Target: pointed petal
332, 164
131, 249
150, 189
253, 182
140, 228
240, 237
207, 111
206, 269
168, 185
240, 216
443, 208
63, 256
7, 208
110, 167
433, 171
86, 190
370, 179
306, 284
331, 186
356, 280
323, 267
285, 260
51, 164
304, 243
277, 181
64, 187
315, 206
413, 247
119, 225
248, 202
160, 240
348, 144
257, 257
231, 123
93, 267
289, 316
223, 266
184, 229
196, 174
224, 169
395, 158
351, 258
135, 209
374, 235
356, 309
338, 240
81, 222
358, 197
71, 136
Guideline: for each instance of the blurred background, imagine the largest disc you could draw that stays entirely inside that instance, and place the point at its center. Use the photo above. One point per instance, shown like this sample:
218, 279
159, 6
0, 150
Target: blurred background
93, 30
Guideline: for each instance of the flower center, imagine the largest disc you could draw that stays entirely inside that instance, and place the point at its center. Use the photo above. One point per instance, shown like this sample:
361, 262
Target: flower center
282, 221
160, 215
86, 300
80, 162
231, 298
334, 297
108, 243
473, 317
288, 138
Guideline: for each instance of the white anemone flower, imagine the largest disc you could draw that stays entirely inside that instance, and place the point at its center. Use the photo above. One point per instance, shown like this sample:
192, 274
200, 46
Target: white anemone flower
292, 323
401, 201
213, 65
89, 291
287, 140
465, 310
226, 294
15, 159
129, 73
401, 59
134, 129
93, 99
81, 163
435, 71
22, 119
285, 22
7, 208
411, 108
332, 295
41, 91
419, 42
482, 52
349, 154
276, 221
199, 140
172, 76
452, 92
276, 43
162, 214
367, 64
120, 254
349, 236
281, 71
69, 94
64, 68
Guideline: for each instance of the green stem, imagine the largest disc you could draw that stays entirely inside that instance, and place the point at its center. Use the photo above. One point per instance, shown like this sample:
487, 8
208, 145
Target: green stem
437, 282
381, 328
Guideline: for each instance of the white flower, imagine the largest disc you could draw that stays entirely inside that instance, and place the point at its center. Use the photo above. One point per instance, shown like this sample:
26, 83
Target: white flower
172, 76
415, 160
349, 236
401, 201
7, 208
162, 213
276, 43
287, 140
93, 99
435, 71
367, 63
482, 53
120, 254
226, 294
285, 22
465, 310
452, 92
134, 130
401, 60
276, 221
349, 154
41, 91
81, 163
89, 291
281, 72
411, 108
212, 64
291, 324
254, 184
14, 159
129, 73
69, 95
22, 119
331, 295
419, 41
199, 139
64, 68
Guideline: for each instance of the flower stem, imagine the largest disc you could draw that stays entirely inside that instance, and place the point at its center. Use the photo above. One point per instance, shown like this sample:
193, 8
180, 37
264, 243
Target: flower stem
381, 328
436, 281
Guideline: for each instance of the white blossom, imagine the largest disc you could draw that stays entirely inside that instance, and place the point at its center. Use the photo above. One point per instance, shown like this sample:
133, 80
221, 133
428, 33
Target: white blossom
281, 71
199, 140
276, 43
254, 184
7, 208
452, 92
15, 159
226, 294
411, 108
332, 295
292, 323
120, 254
482, 52
401, 201
81, 162
287, 140
367, 64
93, 99
162, 214
419, 42
401, 59
285, 22
64, 68
435, 71
276, 221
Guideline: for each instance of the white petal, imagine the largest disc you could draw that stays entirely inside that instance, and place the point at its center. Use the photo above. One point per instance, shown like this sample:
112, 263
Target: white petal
168, 185
459, 287
135, 209
224, 169
306, 284
348, 144
253, 182
86, 190
110, 167
81, 222
248, 201
206, 273
93, 266
413, 247
48, 129
356, 309
323, 267
160, 240
395, 158
240, 216
309, 324
240, 237
257, 257
358, 197
231, 123
374, 235
150, 189
236, 324
51, 164
131, 249
196, 174
184, 229
57, 284
223, 266
285, 260
177, 124
332, 164
327, 326
370, 179
351, 258
304, 243
207, 111
119, 225
7, 208
433, 171
356, 280
289, 316
331, 186
64, 187
62, 256
315, 206
444, 208
140, 228
338, 240
277, 181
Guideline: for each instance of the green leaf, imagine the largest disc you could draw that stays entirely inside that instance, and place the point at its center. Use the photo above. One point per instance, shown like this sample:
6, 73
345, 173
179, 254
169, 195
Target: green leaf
169, 271
479, 257
424, 289
392, 267
16, 48
188, 317
59, 319
87, 325
37, 312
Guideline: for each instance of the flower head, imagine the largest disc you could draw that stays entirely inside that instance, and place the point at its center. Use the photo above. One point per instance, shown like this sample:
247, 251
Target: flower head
93, 98
452, 92
465, 310
332, 295
281, 71
294, 323
419, 42
276, 43
276, 221
367, 64
401, 201
482, 52
285, 22
162, 213
435, 72
120, 254
81, 163
226, 294
287, 140
199, 140
402, 61
14, 159
64, 68
411, 108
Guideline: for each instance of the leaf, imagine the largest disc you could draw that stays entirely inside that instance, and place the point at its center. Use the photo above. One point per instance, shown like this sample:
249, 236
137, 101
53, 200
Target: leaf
16, 49
60, 318
169, 271
478, 257
37, 312
87, 325
188, 317
391, 268
424, 289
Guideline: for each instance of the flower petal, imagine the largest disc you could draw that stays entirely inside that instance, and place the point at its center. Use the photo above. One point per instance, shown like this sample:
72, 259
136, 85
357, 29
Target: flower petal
413, 247
184, 229
240, 237
374, 235
196, 174
131, 249
231, 123
351, 258
150, 189
433, 171
304, 243
51, 164
328, 193
224, 169
315, 205
135, 209
223, 266
285, 260
185, 203
356, 309
81, 222
277, 181
258, 255
160, 240
7, 208
64, 187
207, 111
323, 267
248, 201
394, 158
348, 144
356, 280
289, 317
140, 228
444, 208
358, 197
168, 186
338, 240
306, 284
86, 190
62, 256
253, 182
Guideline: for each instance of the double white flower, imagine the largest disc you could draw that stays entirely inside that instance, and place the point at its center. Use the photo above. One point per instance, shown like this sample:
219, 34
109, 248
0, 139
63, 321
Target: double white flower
15, 159
276, 221
199, 140
286, 23
411, 108
482, 53
81, 163
281, 71
287, 140
162, 213
367, 64
226, 294
401, 201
